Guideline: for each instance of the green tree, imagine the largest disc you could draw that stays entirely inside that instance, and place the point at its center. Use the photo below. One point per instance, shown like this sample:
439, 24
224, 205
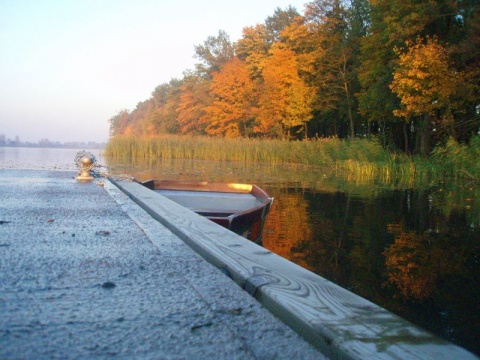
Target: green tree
337, 28
275, 24
465, 54
213, 54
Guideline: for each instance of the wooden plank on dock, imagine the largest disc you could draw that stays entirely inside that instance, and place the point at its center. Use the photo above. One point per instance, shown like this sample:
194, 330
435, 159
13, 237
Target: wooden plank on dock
340, 323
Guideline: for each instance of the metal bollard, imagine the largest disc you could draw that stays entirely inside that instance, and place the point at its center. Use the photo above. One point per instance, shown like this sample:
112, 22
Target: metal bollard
85, 163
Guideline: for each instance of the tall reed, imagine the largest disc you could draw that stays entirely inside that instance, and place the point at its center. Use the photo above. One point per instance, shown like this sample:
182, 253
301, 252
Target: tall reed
362, 158
461, 160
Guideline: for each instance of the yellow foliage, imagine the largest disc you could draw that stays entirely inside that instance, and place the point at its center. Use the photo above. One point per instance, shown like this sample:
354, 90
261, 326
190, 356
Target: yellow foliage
285, 98
253, 47
425, 81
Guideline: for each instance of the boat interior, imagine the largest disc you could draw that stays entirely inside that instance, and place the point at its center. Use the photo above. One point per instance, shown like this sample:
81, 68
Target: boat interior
212, 202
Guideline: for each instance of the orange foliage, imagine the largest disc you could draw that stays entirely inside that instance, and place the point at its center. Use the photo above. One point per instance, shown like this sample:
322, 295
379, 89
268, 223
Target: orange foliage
301, 39
233, 104
287, 227
416, 262
285, 98
193, 99
330, 67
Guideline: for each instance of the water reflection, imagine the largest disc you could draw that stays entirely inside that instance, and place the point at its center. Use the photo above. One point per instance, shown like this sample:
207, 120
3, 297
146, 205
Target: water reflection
41, 158
397, 249
286, 225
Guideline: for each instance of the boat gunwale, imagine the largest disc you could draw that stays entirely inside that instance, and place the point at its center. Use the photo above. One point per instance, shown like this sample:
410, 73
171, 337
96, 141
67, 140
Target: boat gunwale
205, 186
263, 208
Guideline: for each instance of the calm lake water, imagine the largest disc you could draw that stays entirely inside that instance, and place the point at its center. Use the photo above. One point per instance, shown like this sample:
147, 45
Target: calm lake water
414, 251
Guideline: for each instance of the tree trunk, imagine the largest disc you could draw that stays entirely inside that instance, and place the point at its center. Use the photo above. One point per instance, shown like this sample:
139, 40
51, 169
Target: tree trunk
349, 107
350, 118
422, 140
405, 135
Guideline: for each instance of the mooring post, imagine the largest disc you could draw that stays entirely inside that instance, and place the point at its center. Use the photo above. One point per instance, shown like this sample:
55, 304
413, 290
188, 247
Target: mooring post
85, 163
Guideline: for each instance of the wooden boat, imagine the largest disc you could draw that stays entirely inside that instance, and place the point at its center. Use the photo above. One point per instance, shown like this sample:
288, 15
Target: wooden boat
241, 208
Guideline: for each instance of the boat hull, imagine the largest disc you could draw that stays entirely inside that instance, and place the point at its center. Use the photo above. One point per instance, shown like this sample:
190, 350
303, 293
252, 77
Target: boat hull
241, 208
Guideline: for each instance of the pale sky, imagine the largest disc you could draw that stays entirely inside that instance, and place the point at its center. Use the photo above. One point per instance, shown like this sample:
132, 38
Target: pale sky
67, 66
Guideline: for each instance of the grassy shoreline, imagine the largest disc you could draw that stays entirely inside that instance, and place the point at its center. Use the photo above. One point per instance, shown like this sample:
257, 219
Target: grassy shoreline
362, 158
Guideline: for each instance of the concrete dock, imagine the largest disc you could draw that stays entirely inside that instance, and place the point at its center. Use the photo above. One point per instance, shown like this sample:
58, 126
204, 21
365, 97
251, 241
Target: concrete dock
111, 269
86, 273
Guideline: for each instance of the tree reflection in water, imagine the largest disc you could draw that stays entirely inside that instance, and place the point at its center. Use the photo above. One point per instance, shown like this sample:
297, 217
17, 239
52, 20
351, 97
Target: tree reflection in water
417, 263
413, 252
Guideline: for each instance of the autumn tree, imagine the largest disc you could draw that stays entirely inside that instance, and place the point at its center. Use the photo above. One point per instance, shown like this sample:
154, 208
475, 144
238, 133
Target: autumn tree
164, 118
253, 48
332, 71
140, 118
428, 86
257, 40
300, 37
119, 122
285, 101
194, 98
394, 24
232, 112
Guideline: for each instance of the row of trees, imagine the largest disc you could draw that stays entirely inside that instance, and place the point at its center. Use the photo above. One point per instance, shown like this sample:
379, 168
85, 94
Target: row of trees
406, 70
46, 143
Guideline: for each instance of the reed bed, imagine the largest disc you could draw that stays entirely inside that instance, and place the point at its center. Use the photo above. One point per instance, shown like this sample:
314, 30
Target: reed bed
313, 152
361, 158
